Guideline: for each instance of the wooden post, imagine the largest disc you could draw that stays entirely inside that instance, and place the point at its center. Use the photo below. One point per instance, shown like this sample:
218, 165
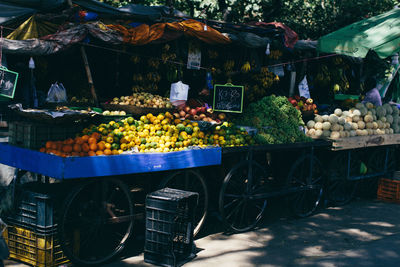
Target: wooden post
87, 68
89, 75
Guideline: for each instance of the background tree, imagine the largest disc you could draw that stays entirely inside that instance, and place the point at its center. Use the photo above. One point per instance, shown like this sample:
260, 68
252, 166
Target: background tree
309, 18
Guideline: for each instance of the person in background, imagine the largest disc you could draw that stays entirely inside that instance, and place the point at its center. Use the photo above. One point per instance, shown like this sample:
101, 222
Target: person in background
372, 93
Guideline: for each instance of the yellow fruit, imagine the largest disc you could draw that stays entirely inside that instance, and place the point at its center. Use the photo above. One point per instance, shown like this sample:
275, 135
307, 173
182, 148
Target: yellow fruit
149, 115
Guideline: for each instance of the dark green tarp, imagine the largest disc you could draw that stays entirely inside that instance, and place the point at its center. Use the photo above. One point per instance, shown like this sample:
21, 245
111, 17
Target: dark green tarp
380, 34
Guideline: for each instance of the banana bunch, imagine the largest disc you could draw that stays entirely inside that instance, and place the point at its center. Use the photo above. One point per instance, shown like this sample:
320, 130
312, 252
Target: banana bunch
153, 63
264, 70
212, 54
137, 77
153, 77
275, 54
246, 67
337, 60
135, 59
165, 57
228, 65
166, 48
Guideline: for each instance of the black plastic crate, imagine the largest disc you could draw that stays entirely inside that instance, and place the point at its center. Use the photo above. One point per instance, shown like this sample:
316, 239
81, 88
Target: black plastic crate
35, 211
35, 135
169, 226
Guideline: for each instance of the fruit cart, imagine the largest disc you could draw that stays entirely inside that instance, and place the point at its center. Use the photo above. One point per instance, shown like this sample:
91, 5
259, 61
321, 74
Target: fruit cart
97, 215
356, 162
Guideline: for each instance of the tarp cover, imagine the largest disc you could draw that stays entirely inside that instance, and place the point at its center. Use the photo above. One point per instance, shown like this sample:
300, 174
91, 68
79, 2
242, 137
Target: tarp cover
13, 10
380, 33
144, 34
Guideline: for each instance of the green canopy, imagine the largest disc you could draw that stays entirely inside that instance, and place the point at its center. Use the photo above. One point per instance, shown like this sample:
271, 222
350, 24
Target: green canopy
380, 33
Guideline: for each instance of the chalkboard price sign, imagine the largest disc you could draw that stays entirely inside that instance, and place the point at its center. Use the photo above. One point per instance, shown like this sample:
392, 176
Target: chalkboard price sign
228, 98
8, 82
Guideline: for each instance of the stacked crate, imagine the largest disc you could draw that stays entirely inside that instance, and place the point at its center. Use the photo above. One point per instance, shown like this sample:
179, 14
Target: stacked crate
32, 232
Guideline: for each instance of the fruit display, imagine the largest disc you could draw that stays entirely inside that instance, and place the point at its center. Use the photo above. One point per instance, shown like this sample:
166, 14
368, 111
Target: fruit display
81, 100
361, 120
114, 113
161, 133
276, 120
303, 104
260, 84
199, 114
145, 100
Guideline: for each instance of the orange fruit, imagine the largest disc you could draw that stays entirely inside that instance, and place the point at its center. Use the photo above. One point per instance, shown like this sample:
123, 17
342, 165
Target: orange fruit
92, 140
93, 147
69, 141
91, 153
79, 140
49, 144
101, 146
53, 146
85, 138
43, 149
107, 152
75, 154
115, 152
77, 148
85, 147
82, 154
99, 153
96, 135
67, 148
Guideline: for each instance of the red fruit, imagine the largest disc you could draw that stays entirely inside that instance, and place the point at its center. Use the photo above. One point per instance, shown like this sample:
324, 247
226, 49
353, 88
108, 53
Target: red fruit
314, 106
186, 109
293, 102
177, 115
187, 116
203, 109
198, 109
297, 97
182, 113
193, 112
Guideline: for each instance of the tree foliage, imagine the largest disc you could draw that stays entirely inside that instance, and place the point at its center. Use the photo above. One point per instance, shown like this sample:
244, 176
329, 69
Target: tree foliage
309, 18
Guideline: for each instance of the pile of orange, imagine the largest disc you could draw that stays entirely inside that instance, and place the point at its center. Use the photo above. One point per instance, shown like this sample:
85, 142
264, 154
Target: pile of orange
81, 146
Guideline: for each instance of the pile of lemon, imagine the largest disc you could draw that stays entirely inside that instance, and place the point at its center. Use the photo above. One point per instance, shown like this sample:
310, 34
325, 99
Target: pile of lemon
163, 133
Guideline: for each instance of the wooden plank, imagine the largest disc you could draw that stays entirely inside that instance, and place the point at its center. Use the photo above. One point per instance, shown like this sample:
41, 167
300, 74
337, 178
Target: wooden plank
365, 141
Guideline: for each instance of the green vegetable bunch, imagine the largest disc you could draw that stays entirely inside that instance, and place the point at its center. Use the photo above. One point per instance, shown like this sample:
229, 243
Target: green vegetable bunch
276, 119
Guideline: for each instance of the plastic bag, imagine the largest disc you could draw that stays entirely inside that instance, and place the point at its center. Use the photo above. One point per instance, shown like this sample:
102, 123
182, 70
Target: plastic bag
57, 93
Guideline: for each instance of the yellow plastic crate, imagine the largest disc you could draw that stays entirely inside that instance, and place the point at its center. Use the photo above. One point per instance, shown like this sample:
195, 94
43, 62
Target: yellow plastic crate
34, 248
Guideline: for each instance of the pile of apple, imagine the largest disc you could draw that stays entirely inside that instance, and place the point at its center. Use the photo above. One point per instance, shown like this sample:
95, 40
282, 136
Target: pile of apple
199, 114
303, 104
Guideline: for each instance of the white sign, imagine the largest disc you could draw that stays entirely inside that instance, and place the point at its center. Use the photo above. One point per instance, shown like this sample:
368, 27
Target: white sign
194, 57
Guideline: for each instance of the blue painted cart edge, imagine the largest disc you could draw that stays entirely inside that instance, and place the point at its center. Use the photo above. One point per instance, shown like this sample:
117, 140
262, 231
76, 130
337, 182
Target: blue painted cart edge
81, 167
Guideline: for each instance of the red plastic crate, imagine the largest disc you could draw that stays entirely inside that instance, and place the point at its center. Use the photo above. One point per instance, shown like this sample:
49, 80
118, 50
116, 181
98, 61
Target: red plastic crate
389, 190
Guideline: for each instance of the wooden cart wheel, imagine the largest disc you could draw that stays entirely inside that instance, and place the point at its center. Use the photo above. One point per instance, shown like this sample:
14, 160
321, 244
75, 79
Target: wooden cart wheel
96, 221
340, 190
307, 174
190, 180
239, 206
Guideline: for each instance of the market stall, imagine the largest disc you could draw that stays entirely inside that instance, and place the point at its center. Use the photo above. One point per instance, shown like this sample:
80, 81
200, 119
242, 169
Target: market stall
228, 138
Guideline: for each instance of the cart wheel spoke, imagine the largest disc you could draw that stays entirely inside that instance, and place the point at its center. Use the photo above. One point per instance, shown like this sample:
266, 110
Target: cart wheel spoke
306, 171
89, 219
239, 211
193, 181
